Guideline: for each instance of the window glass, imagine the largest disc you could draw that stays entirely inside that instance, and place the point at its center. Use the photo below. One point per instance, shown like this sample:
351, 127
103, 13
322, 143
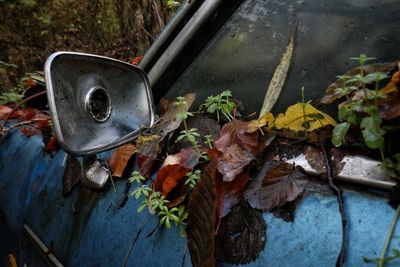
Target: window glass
243, 55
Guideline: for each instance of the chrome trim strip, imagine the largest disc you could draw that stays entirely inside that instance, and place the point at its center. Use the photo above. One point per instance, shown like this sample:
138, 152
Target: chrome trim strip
49, 258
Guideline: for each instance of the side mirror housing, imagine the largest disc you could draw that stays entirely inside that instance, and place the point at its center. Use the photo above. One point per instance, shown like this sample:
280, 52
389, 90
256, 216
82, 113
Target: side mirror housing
96, 103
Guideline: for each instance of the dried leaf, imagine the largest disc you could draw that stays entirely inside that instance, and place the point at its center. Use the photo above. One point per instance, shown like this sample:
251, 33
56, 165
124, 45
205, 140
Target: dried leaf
201, 221
286, 212
232, 161
282, 184
168, 177
145, 164
12, 261
331, 95
168, 122
315, 158
279, 77
389, 109
72, 175
52, 145
148, 147
293, 118
266, 120
187, 157
231, 191
242, 235
4, 111
234, 132
120, 159
136, 60
30, 130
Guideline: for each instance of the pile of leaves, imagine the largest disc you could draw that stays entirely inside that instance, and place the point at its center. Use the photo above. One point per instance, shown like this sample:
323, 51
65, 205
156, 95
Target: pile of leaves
201, 163
28, 112
212, 173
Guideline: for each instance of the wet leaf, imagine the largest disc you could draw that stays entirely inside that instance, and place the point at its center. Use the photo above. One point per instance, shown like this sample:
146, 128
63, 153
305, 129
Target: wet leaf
201, 221
148, 147
186, 157
120, 159
281, 184
389, 109
242, 235
279, 77
234, 132
29, 131
232, 161
52, 145
315, 158
136, 60
168, 178
169, 121
331, 94
266, 120
4, 111
339, 133
286, 212
72, 175
372, 132
231, 192
296, 116
145, 164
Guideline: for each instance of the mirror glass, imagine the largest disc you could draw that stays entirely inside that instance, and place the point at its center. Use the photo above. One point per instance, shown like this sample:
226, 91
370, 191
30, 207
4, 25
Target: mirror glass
96, 103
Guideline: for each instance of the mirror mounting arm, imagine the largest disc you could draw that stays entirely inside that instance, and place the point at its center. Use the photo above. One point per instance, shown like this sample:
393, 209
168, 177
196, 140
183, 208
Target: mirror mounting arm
94, 174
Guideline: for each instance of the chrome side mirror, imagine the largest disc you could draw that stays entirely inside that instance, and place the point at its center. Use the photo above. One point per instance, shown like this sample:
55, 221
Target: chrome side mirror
96, 103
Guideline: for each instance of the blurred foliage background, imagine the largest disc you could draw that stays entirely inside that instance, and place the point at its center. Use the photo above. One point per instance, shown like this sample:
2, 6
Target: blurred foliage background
30, 30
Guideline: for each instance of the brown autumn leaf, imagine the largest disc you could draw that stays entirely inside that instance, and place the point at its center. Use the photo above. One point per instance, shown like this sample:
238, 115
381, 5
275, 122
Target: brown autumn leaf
266, 120
389, 109
286, 212
168, 122
315, 158
201, 220
145, 164
168, 177
231, 192
281, 184
172, 173
252, 192
232, 161
241, 236
120, 159
186, 157
205, 126
72, 175
331, 95
235, 132
147, 147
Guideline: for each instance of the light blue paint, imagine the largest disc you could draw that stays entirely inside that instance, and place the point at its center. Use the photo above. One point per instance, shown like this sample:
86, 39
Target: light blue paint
101, 233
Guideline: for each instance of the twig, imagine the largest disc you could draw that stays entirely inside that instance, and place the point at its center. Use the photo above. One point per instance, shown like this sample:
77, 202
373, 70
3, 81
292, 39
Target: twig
146, 32
339, 195
388, 238
18, 106
134, 240
159, 19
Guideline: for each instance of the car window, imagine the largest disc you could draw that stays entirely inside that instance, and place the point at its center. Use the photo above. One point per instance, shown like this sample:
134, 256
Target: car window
244, 53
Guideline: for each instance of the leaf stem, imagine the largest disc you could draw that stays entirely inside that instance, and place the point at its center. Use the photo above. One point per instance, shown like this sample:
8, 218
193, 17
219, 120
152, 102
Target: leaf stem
389, 237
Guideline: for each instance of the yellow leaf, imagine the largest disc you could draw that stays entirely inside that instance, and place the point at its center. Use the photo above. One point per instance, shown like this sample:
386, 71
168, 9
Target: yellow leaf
267, 119
12, 261
294, 120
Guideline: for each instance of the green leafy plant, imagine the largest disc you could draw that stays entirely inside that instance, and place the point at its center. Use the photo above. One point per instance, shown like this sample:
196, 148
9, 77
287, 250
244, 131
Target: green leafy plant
361, 111
209, 140
220, 104
136, 177
10, 98
193, 178
190, 135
